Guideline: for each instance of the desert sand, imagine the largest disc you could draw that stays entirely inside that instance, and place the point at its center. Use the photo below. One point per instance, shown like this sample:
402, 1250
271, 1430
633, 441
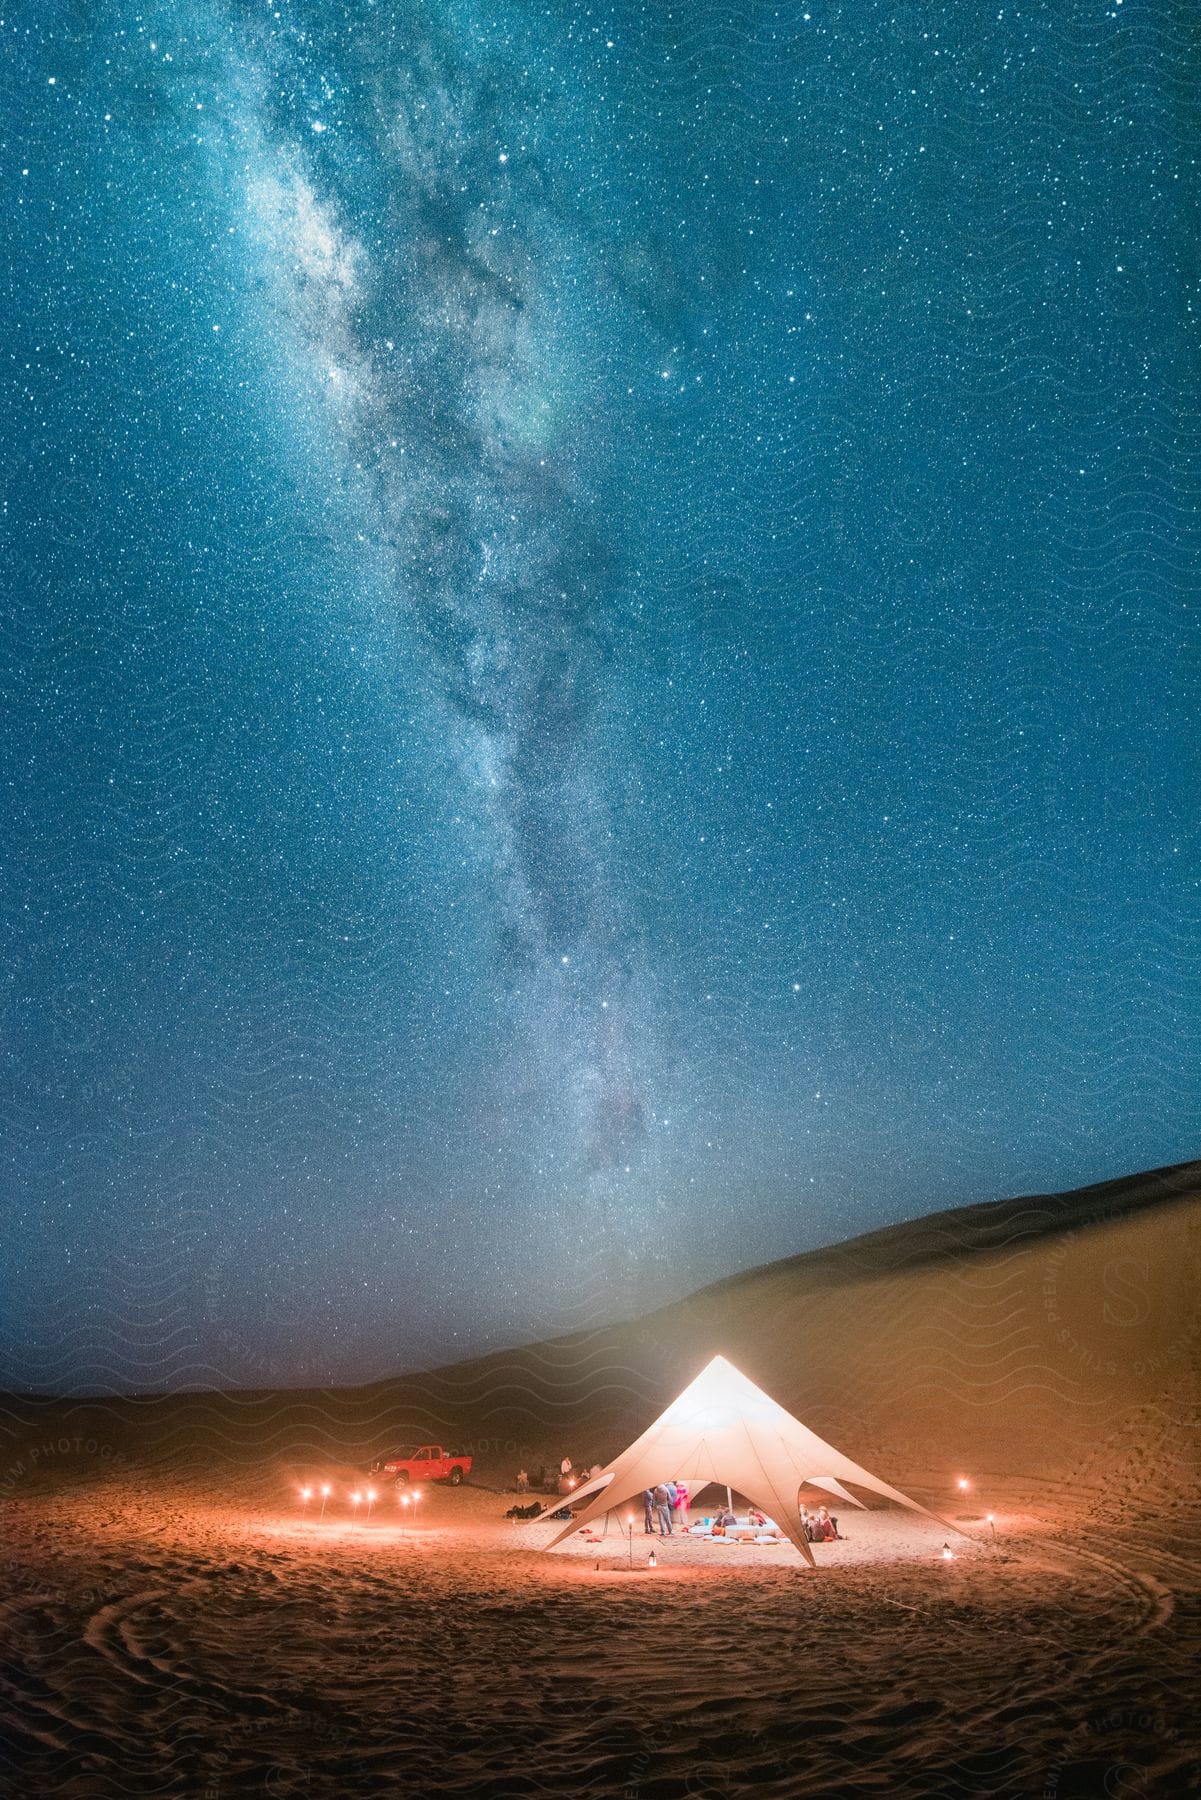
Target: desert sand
173, 1621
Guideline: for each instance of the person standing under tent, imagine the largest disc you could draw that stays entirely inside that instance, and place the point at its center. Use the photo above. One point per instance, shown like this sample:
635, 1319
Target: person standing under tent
682, 1498
648, 1509
663, 1510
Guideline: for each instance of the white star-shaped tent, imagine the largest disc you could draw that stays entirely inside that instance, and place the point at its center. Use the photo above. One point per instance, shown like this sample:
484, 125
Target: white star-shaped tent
724, 1429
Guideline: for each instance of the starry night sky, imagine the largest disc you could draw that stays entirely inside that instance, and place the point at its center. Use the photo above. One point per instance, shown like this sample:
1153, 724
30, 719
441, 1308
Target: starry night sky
600, 654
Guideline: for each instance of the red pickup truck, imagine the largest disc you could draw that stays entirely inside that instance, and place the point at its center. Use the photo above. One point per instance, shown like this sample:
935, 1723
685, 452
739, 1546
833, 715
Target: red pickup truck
423, 1462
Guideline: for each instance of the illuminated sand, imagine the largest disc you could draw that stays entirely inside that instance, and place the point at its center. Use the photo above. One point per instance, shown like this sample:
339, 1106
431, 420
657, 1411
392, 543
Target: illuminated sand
173, 1625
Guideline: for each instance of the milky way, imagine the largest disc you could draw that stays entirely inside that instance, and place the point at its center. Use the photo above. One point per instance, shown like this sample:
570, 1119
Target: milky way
440, 335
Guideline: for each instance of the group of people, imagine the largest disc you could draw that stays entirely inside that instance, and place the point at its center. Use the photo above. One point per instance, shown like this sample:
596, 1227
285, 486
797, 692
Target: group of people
819, 1526
666, 1505
545, 1480
724, 1520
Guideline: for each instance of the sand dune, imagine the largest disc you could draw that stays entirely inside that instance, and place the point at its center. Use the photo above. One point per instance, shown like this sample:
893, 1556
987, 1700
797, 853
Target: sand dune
171, 1624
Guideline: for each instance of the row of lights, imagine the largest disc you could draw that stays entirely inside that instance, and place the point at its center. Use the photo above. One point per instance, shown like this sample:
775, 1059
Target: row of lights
356, 1498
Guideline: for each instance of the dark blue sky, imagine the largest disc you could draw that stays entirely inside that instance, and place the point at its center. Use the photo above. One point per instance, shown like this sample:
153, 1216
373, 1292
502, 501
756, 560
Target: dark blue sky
600, 659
